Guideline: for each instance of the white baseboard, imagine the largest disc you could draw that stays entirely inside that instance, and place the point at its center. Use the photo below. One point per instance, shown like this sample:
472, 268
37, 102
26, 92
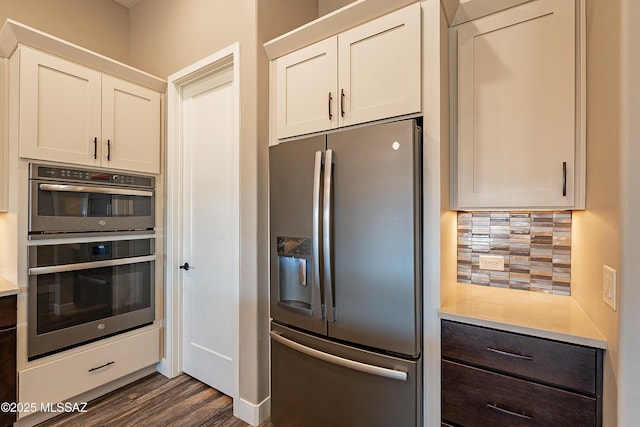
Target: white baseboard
252, 413
166, 368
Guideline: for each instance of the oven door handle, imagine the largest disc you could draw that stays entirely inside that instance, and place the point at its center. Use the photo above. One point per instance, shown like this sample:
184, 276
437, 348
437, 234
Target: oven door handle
35, 271
102, 190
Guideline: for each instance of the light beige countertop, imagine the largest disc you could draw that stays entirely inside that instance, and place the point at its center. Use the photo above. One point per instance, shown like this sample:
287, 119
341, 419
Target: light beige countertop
7, 288
542, 315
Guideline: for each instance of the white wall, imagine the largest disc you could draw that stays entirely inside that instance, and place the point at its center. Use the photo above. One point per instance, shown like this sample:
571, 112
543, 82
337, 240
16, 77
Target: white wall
438, 222
98, 25
326, 6
629, 368
273, 21
597, 230
166, 36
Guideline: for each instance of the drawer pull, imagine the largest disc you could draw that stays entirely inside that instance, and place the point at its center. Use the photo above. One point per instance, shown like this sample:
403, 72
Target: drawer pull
101, 366
508, 353
508, 412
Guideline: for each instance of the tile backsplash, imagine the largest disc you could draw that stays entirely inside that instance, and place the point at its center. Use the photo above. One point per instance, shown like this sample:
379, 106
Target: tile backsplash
536, 247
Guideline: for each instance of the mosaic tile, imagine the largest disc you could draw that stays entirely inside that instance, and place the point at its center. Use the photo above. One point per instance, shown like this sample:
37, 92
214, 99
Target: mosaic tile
536, 247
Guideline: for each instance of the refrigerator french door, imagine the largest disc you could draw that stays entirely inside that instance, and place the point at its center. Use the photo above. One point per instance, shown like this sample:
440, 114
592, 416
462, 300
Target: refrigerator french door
346, 269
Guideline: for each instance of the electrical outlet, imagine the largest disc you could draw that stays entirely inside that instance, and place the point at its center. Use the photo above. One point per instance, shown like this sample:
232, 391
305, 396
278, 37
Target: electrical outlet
492, 262
609, 286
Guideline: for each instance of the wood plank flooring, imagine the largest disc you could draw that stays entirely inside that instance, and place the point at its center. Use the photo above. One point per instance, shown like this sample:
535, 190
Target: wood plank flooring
157, 401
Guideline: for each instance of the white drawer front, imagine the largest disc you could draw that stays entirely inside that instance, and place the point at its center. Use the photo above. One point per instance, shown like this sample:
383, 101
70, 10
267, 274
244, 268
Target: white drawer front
65, 378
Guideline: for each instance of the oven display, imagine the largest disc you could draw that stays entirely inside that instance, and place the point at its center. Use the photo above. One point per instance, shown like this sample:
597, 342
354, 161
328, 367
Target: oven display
81, 175
100, 177
100, 250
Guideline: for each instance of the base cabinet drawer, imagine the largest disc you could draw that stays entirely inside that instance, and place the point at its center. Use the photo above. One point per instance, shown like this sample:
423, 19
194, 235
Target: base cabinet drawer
491, 377
7, 356
555, 363
475, 397
7, 373
8, 312
71, 376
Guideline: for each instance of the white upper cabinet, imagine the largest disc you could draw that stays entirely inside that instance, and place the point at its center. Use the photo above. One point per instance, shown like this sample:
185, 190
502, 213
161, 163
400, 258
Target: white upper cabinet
307, 89
379, 71
518, 141
370, 72
59, 109
130, 126
73, 114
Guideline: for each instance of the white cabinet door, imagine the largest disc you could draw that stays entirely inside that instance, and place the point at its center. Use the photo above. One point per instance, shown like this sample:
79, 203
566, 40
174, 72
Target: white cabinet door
379, 68
130, 126
59, 109
73, 114
516, 109
370, 72
306, 90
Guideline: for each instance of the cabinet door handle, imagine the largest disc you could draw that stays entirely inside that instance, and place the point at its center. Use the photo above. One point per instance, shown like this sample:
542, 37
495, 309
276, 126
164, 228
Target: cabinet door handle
330, 113
508, 412
101, 366
508, 353
95, 148
564, 179
108, 150
342, 102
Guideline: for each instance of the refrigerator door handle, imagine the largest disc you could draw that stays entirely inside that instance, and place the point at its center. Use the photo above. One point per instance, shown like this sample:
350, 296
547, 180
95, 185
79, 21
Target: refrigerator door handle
317, 170
326, 231
340, 361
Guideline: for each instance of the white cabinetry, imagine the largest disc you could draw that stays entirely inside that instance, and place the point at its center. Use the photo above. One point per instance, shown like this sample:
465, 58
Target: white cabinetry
370, 72
130, 125
4, 134
518, 141
74, 114
70, 376
307, 82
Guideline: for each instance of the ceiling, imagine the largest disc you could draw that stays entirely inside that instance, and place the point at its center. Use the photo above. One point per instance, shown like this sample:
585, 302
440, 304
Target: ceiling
128, 3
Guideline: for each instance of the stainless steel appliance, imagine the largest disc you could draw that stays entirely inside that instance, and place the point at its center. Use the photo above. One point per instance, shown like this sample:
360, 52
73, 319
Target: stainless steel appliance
64, 200
80, 292
346, 278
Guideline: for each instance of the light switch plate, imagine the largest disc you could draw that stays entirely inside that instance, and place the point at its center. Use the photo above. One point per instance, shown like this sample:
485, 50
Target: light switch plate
492, 262
609, 286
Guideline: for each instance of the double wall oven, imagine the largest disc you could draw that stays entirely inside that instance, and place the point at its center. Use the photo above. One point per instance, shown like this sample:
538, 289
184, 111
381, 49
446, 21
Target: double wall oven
91, 258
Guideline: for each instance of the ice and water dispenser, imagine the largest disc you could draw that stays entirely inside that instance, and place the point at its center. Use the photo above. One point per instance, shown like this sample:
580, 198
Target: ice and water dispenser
295, 274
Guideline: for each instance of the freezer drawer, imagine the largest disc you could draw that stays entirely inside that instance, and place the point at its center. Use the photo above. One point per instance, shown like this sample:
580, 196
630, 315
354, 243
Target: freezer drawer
316, 382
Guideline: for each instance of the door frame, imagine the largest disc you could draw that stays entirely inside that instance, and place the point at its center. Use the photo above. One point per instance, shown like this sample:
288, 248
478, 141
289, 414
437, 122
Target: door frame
229, 57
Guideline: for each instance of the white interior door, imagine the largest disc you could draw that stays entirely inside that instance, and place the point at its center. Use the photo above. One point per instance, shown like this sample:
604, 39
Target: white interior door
210, 235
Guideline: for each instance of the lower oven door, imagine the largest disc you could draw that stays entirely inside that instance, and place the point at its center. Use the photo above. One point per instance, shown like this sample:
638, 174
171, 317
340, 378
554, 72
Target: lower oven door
75, 303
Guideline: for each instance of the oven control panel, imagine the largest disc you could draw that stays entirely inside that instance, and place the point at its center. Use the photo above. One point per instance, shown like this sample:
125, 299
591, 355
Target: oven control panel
82, 175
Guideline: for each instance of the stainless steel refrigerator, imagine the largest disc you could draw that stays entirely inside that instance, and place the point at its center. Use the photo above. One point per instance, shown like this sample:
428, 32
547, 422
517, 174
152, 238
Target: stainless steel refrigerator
346, 278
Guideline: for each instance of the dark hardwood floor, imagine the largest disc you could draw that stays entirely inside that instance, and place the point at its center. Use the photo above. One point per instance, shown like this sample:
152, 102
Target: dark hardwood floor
157, 401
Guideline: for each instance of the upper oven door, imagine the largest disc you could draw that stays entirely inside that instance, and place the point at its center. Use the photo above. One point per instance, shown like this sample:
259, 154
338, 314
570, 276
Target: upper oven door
70, 208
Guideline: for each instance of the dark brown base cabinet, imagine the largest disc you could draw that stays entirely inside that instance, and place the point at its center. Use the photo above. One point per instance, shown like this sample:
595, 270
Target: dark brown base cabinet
497, 378
7, 356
